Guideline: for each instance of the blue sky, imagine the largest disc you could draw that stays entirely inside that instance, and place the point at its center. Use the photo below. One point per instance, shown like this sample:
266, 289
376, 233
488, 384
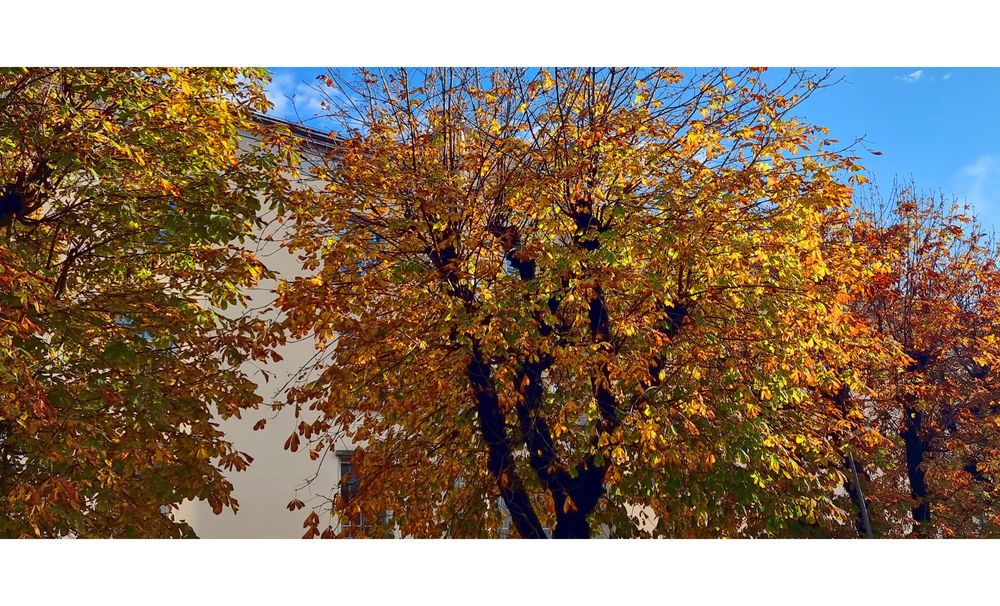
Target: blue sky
940, 126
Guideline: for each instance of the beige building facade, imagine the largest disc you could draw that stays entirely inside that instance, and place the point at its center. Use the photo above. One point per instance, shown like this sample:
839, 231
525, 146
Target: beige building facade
276, 476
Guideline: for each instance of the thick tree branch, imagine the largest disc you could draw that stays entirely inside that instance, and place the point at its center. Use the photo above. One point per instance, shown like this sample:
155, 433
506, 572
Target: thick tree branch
500, 461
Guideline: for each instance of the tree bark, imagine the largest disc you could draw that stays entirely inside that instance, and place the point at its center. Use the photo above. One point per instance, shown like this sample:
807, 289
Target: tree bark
916, 448
500, 461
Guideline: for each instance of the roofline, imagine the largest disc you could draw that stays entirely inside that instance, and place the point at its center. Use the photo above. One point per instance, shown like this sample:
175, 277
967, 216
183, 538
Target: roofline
324, 140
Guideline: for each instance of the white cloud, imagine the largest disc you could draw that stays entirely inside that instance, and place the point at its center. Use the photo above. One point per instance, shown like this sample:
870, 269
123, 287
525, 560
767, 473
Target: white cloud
912, 77
980, 183
981, 168
947, 76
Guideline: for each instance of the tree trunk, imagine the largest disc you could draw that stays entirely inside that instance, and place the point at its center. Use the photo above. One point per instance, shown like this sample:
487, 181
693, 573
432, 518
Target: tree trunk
585, 492
500, 461
916, 448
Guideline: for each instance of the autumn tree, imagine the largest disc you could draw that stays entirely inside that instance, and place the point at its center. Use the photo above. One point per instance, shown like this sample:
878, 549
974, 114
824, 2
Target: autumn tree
125, 196
589, 299
938, 305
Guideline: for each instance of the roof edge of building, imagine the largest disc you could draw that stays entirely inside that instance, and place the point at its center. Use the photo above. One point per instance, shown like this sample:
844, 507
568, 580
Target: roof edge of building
321, 139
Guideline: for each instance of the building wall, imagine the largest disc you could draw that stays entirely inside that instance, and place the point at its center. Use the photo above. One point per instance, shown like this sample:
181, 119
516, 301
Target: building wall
266, 487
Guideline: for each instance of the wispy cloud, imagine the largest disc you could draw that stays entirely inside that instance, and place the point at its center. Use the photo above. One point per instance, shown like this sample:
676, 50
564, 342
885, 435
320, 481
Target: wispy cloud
912, 77
947, 76
980, 183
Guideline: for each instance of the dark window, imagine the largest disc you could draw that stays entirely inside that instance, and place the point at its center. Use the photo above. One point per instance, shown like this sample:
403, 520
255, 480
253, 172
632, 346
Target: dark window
350, 482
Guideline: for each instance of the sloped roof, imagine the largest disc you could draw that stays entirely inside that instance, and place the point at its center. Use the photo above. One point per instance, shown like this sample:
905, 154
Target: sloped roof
323, 141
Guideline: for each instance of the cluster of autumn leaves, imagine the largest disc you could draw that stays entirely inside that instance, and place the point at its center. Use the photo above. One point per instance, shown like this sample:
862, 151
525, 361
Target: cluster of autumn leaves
563, 302
134, 196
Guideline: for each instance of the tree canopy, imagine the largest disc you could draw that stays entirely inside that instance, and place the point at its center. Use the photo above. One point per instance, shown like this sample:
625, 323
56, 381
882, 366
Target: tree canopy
566, 302
126, 195
591, 298
939, 305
